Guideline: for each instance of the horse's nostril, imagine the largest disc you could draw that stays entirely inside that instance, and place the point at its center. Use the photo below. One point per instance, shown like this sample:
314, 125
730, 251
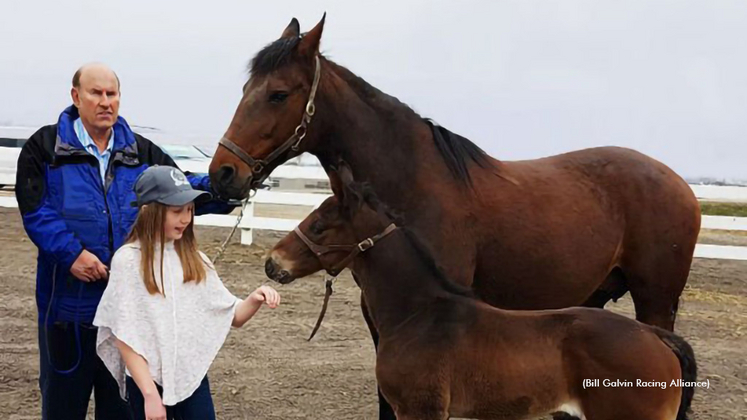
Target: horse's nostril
225, 174
269, 268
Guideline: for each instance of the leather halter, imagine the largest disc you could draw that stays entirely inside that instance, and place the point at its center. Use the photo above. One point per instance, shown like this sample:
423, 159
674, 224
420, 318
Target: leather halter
258, 165
354, 249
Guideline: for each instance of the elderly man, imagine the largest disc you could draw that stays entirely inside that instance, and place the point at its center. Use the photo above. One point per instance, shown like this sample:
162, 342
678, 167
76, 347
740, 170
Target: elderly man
74, 188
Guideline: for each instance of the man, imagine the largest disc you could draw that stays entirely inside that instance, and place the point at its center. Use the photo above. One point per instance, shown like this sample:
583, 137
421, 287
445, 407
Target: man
74, 189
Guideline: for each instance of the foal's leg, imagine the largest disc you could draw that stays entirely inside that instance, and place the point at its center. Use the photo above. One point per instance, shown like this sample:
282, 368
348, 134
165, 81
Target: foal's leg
385, 410
564, 417
441, 414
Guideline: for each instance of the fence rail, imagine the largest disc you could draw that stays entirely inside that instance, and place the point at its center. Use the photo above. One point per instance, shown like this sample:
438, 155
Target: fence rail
309, 201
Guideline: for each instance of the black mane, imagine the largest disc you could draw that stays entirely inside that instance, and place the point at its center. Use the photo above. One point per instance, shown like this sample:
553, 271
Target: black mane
366, 194
456, 151
430, 262
274, 55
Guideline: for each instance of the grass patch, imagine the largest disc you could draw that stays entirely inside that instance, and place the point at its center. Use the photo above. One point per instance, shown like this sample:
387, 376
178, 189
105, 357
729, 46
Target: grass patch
724, 209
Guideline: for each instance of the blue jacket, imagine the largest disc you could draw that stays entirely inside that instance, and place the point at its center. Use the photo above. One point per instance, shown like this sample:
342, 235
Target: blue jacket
66, 208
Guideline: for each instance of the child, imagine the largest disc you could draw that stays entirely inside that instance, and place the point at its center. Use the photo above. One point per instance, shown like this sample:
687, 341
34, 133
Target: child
165, 313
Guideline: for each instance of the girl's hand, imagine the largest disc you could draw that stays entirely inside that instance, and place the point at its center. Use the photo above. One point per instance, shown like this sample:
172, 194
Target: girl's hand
266, 294
154, 409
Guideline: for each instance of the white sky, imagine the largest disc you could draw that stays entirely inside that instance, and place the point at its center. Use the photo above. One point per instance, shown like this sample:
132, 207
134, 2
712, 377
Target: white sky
522, 78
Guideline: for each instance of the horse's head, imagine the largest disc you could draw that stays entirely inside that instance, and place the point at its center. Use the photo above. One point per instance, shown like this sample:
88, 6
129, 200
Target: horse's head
270, 123
328, 239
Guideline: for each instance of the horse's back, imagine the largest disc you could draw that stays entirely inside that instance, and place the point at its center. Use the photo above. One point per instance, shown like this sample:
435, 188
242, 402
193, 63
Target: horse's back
570, 219
623, 176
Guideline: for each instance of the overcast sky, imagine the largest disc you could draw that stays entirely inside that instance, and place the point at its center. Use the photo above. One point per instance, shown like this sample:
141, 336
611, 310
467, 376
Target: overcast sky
522, 79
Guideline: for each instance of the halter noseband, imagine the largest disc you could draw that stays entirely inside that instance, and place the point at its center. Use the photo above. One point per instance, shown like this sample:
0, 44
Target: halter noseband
258, 165
354, 249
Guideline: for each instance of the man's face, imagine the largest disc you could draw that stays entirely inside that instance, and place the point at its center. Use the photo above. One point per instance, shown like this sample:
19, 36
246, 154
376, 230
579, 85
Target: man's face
97, 98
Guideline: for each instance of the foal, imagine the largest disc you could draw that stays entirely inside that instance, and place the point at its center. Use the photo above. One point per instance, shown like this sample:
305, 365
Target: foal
444, 353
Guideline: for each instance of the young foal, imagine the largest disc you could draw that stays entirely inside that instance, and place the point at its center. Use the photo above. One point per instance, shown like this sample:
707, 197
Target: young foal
444, 353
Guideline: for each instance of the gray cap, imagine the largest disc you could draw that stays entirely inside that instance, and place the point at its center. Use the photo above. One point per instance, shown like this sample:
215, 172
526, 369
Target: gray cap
166, 185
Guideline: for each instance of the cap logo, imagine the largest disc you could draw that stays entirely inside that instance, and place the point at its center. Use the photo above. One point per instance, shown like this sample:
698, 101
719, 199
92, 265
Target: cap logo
179, 178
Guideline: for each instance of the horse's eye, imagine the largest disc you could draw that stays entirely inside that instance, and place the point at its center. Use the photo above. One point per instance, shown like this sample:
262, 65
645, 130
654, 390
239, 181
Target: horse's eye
316, 228
278, 97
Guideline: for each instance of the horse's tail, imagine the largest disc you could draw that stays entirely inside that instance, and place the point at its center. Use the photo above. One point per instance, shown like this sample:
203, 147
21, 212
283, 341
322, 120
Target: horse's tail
689, 367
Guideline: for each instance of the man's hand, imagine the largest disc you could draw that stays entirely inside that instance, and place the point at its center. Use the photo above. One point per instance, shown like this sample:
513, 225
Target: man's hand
88, 268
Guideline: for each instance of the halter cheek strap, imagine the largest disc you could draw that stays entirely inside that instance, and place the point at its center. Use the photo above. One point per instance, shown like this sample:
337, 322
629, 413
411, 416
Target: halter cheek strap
333, 271
354, 249
257, 166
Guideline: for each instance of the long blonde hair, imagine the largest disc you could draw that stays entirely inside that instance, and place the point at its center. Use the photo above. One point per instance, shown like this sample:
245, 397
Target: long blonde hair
149, 230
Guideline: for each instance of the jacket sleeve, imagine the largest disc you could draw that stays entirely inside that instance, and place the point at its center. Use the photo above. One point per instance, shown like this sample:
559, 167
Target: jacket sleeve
215, 206
43, 223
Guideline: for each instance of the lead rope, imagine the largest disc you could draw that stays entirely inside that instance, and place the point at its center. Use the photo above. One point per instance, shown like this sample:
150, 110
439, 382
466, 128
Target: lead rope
217, 256
235, 226
328, 282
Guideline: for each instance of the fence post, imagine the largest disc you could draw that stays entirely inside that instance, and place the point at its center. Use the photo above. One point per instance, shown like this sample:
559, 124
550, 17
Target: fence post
247, 235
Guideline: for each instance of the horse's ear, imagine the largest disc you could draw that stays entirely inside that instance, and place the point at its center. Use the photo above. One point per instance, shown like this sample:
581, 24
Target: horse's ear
310, 42
335, 183
293, 30
345, 172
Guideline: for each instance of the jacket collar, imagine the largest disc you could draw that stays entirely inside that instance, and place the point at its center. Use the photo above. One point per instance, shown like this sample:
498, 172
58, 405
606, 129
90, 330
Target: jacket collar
68, 144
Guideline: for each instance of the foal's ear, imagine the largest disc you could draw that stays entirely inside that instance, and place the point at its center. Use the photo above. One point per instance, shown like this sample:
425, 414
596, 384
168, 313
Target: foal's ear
309, 45
345, 172
335, 183
293, 30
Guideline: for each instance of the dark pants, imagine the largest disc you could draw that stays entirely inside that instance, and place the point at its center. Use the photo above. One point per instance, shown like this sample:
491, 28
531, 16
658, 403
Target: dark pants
199, 405
65, 395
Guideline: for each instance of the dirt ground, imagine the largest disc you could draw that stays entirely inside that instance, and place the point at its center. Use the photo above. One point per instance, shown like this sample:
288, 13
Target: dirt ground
267, 370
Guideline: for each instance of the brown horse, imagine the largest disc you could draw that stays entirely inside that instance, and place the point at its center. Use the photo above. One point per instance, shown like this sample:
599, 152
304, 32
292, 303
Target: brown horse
444, 353
574, 229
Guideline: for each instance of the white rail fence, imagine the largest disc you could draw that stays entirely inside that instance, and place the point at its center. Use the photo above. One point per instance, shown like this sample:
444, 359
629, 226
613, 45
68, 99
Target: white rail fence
309, 201
8, 161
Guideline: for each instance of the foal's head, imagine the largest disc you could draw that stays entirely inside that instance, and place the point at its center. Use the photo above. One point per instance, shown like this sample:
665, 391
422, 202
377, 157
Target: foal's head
330, 233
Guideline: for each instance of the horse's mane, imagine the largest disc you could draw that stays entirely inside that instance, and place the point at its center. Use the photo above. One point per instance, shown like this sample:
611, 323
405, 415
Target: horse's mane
456, 150
274, 55
366, 194
435, 269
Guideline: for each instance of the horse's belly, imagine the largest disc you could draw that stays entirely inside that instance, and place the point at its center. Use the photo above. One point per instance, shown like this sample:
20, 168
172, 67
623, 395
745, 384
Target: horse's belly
540, 279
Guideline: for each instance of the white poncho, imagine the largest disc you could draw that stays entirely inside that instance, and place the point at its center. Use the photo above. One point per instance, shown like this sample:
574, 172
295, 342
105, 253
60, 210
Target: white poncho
178, 335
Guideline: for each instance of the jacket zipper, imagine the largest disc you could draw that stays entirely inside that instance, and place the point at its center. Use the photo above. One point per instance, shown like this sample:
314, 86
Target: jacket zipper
105, 188
109, 177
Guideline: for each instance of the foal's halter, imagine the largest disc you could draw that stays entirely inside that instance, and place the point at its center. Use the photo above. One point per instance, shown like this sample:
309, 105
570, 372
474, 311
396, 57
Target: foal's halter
258, 165
354, 249
333, 271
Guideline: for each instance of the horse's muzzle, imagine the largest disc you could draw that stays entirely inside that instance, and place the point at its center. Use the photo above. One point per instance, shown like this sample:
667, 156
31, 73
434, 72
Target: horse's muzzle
225, 182
274, 272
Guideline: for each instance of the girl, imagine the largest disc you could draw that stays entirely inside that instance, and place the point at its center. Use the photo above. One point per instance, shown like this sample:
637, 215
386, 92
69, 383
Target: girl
165, 313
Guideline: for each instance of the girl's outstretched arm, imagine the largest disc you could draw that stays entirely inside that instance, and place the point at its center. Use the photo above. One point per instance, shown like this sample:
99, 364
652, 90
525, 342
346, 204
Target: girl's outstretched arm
249, 306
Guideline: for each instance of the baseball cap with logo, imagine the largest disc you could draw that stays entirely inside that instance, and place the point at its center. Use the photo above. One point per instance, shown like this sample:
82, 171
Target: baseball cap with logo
166, 185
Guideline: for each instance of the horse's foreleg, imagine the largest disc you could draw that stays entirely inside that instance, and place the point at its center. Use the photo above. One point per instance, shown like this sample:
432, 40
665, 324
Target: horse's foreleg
385, 410
438, 416
422, 414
